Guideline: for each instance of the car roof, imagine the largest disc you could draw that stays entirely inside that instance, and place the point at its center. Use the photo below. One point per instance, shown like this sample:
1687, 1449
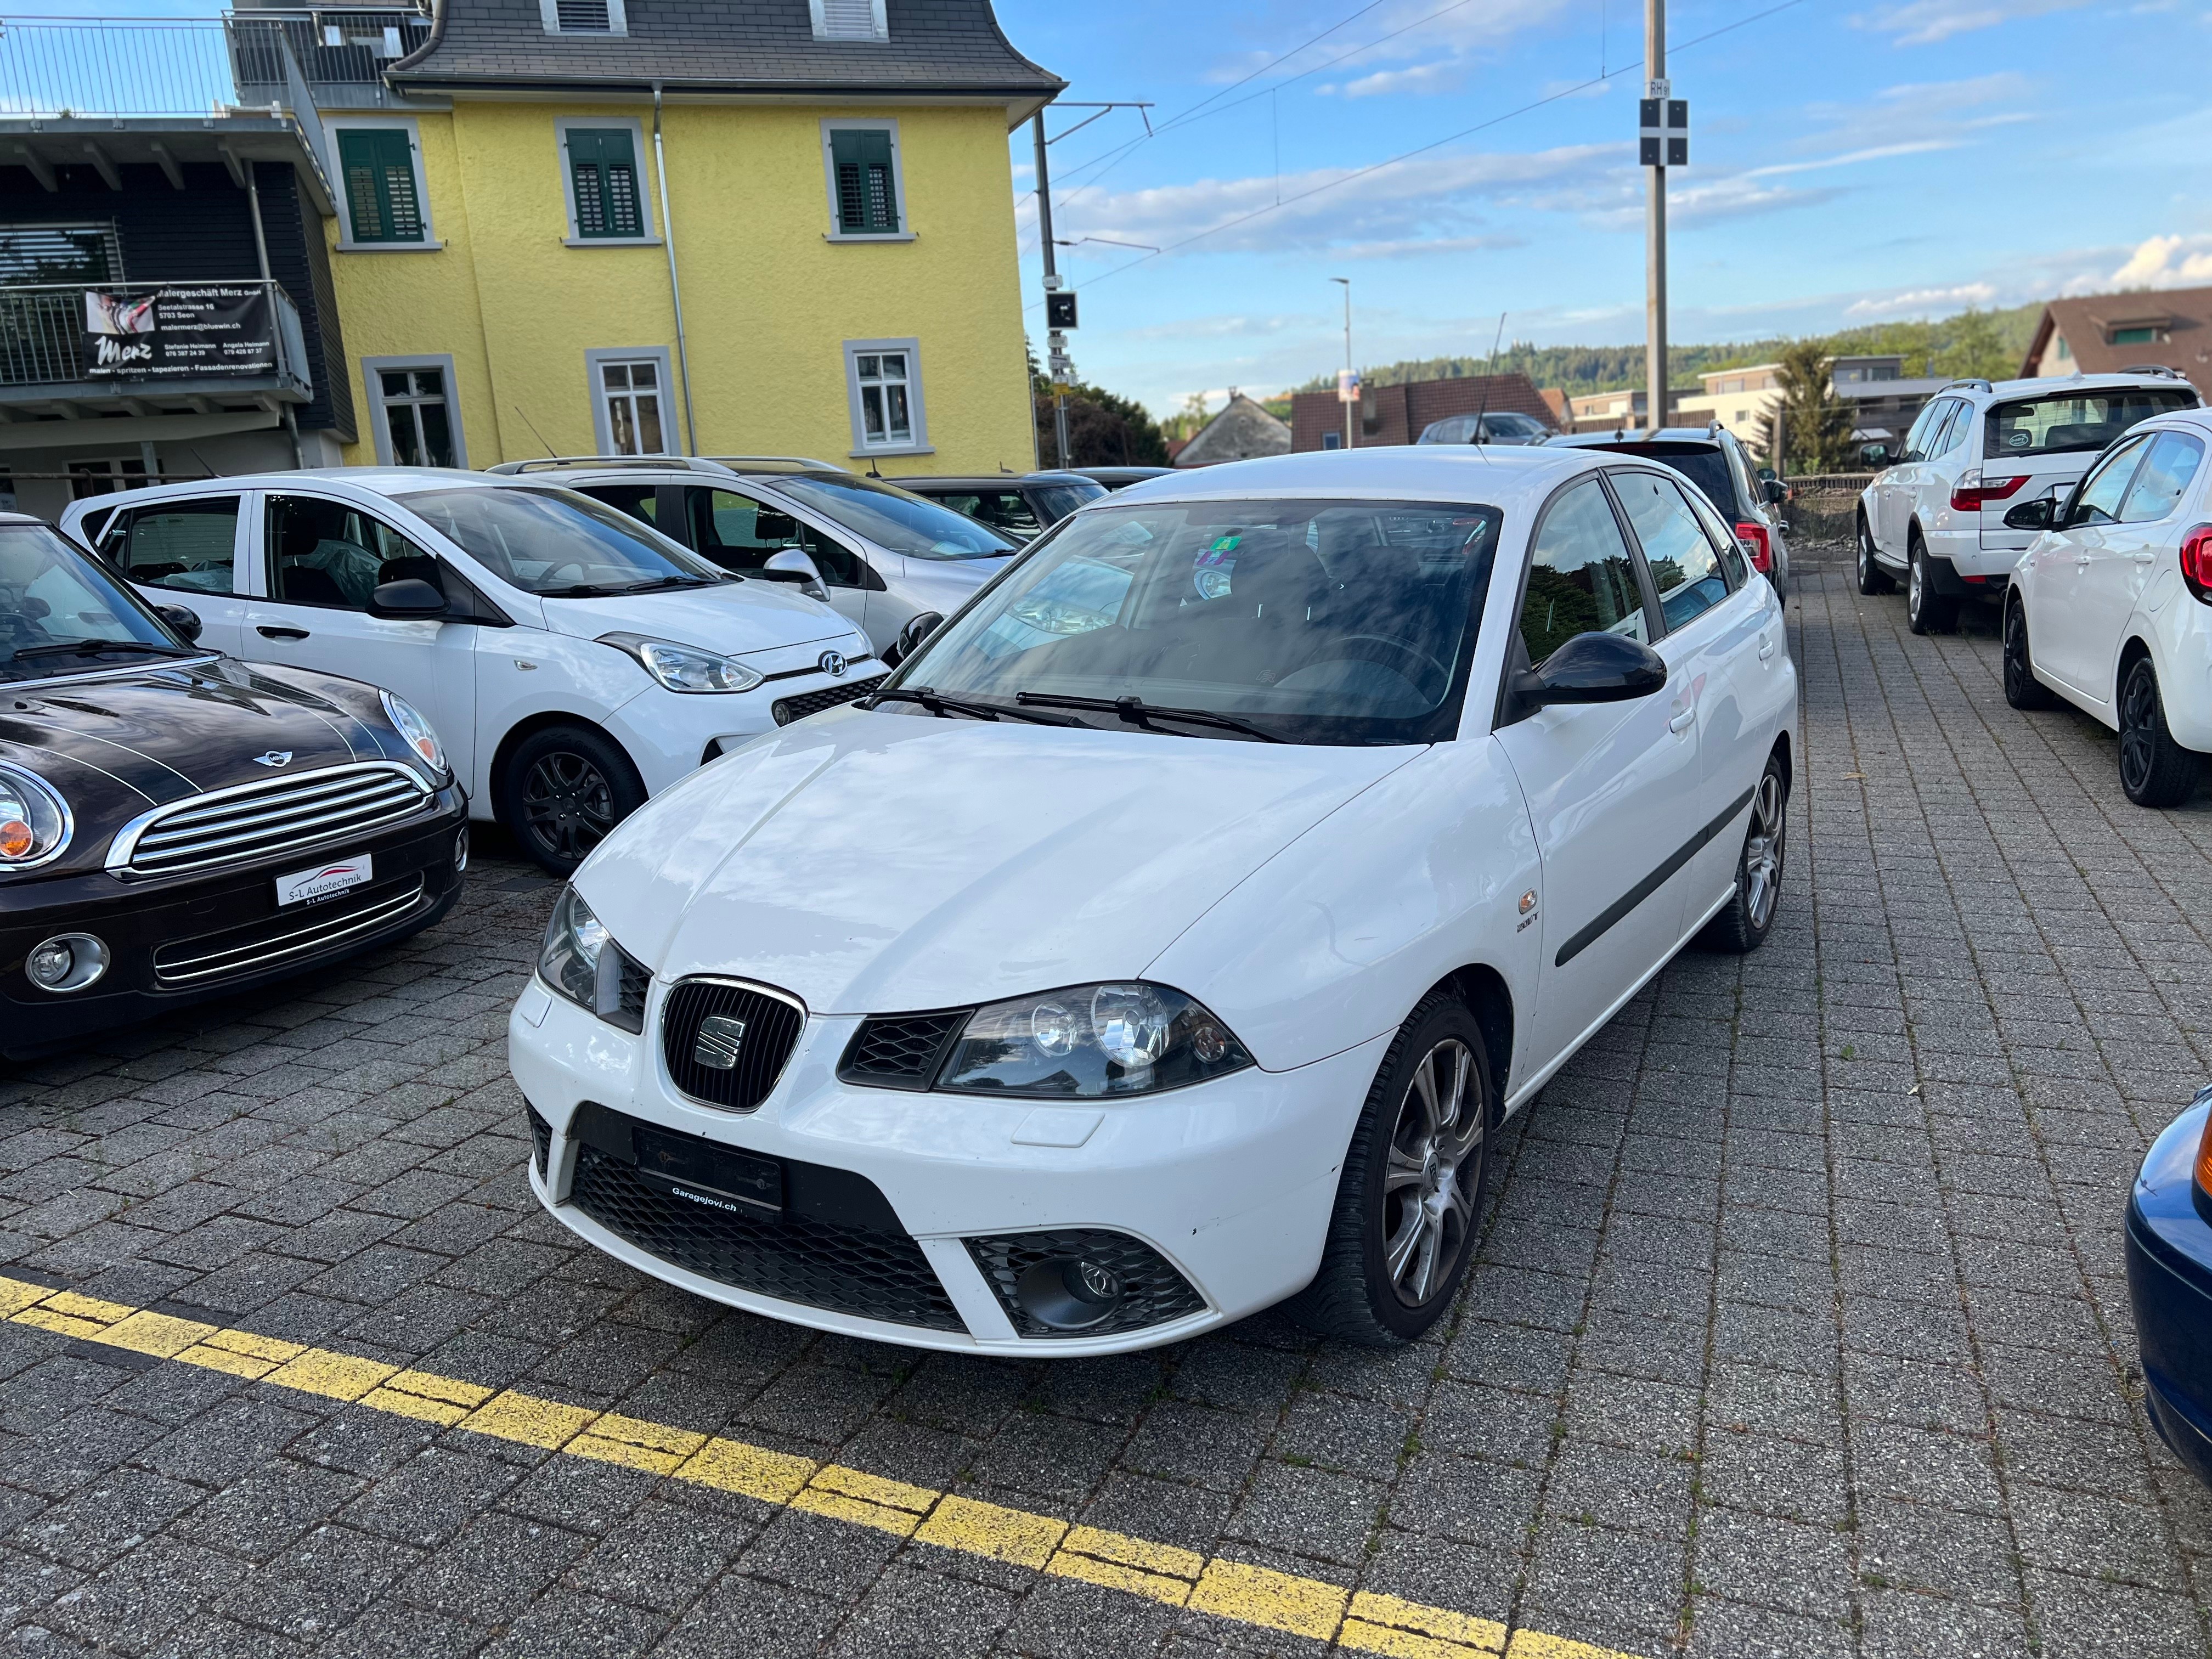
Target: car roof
1501, 476
379, 480
989, 480
2146, 380
1696, 435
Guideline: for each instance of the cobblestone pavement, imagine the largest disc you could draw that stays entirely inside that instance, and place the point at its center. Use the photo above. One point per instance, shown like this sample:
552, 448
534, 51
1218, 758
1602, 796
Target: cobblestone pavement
1801, 1328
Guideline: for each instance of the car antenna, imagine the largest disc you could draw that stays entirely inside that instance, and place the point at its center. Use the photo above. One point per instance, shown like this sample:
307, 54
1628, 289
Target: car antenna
874, 471
536, 433
1483, 408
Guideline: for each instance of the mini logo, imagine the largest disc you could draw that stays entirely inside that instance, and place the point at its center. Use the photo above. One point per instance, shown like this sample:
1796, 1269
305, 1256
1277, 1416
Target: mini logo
274, 758
833, 664
716, 1046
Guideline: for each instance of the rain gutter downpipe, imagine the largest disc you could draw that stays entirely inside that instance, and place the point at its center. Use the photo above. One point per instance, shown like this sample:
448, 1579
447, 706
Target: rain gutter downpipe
675, 288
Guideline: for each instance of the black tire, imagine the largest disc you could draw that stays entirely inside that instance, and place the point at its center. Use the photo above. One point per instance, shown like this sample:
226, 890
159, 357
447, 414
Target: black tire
2155, 770
1926, 611
563, 789
1872, 578
2021, 689
1442, 1173
1743, 926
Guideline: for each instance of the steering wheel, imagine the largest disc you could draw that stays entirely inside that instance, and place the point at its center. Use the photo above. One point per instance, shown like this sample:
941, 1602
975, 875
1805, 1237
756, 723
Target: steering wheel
576, 565
1421, 659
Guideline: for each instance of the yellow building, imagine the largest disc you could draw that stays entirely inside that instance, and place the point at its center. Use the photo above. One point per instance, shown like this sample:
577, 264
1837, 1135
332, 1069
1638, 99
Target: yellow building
534, 191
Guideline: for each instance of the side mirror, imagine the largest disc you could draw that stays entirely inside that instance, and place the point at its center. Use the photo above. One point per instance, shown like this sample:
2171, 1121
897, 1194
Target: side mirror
790, 564
1593, 668
911, 638
409, 599
182, 618
1775, 491
2041, 515
1875, 456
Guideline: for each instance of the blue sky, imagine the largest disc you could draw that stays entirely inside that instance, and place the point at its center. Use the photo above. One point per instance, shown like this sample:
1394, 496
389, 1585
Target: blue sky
1854, 160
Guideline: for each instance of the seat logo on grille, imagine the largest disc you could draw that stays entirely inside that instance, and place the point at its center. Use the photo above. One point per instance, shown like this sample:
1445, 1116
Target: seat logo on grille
274, 758
833, 664
718, 1042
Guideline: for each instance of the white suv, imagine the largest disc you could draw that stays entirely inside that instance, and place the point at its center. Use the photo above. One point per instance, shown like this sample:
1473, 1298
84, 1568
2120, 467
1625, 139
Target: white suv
573, 660
1934, 514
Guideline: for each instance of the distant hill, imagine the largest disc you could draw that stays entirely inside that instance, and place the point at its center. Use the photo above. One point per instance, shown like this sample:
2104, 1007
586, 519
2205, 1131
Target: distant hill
1974, 342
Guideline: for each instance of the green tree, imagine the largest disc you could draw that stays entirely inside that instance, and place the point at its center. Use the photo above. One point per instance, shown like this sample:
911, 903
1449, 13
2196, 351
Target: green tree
1976, 347
1816, 424
1103, 429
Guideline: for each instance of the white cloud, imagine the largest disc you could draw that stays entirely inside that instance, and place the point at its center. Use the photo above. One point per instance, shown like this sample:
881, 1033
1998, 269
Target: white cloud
2166, 261
1922, 302
1928, 22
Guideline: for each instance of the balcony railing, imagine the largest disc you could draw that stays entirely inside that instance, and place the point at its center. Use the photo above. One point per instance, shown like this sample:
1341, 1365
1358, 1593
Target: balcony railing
45, 351
341, 55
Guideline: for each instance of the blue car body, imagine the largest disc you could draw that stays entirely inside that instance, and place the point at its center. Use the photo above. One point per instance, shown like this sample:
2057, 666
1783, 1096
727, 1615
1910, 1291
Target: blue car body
2170, 1283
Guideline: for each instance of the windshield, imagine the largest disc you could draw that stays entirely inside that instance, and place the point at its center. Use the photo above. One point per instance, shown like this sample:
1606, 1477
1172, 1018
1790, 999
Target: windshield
61, 612
892, 518
1321, 622
1055, 501
2075, 420
557, 544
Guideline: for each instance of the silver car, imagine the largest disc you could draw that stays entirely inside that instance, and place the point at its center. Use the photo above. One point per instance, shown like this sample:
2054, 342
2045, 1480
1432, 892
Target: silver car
881, 555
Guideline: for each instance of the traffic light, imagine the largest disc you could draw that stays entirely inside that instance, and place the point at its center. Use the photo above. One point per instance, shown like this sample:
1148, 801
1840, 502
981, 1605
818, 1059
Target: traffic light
1059, 308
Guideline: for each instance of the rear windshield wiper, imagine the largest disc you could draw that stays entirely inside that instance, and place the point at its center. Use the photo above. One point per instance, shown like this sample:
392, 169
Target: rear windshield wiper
93, 647
943, 705
1137, 711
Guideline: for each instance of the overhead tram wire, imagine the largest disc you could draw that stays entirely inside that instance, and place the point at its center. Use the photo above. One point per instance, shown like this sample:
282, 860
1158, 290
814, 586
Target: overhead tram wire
1422, 149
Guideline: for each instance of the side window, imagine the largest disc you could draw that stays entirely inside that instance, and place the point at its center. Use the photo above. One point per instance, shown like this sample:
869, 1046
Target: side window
605, 203
865, 193
1919, 443
328, 553
381, 185
2164, 477
1718, 532
1686, 566
1965, 420
1001, 509
1582, 579
2100, 500
739, 533
640, 501
191, 545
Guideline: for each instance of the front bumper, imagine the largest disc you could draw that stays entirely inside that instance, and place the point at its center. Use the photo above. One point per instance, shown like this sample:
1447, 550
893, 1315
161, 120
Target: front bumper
2170, 1293
1230, 1181
174, 941
668, 733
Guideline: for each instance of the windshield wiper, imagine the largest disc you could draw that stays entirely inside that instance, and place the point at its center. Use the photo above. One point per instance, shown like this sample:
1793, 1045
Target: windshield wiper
941, 706
92, 647
611, 590
1137, 711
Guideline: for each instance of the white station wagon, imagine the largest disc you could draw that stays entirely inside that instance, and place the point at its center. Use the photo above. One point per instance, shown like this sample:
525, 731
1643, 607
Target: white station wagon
1263, 837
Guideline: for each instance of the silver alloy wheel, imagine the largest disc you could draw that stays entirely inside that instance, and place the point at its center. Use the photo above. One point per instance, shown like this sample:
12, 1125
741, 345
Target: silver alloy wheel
1429, 1195
1912, 592
1762, 850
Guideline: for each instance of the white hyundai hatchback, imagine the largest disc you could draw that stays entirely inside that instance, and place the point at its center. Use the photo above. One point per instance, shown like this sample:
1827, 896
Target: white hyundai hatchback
2111, 606
1262, 837
573, 660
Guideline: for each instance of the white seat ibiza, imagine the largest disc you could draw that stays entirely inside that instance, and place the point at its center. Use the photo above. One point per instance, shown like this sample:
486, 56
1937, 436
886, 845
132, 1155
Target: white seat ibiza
1170, 935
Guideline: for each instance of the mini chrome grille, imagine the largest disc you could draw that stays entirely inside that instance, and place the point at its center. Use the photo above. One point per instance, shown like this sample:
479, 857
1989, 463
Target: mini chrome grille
257, 821
282, 937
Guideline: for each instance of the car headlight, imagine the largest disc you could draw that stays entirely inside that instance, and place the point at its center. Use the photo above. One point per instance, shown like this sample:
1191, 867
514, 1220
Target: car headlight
684, 667
570, 959
35, 819
421, 736
1123, 1037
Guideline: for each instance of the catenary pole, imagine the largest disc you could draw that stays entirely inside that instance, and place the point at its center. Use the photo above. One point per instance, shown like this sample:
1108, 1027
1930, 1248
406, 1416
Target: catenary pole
1655, 231
1056, 344
1348, 406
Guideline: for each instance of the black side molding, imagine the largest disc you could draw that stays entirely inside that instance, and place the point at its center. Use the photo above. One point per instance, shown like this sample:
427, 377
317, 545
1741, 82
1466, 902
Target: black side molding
1651, 883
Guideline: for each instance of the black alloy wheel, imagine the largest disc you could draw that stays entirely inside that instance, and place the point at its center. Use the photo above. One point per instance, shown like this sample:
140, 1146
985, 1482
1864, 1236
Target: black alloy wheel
1872, 579
1742, 927
563, 791
1409, 1203
2155, 770
2021, 689
1926, 611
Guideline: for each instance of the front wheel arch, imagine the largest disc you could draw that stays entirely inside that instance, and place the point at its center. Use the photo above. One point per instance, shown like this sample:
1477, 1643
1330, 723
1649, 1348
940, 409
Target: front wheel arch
522, 732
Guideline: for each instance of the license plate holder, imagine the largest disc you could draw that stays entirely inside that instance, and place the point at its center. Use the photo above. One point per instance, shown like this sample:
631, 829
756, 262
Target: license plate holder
720, 1178
325, 880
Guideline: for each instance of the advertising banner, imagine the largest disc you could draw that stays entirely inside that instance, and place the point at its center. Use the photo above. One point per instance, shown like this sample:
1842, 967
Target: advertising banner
208, 330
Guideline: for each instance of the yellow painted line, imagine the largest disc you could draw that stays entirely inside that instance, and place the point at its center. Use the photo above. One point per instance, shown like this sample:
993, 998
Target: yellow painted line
1258, 1596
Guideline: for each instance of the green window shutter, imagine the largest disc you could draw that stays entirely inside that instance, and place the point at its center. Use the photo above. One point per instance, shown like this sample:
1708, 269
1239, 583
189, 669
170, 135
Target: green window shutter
868, 198
379, 165
603, 165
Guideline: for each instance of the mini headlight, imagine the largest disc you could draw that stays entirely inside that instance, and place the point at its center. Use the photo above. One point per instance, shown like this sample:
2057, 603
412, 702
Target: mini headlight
684, 667
570, 961
408, 721
1123, 1037
35, 819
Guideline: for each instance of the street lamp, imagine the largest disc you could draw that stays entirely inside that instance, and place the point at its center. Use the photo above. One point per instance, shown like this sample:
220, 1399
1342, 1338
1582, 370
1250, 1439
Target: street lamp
1344, 387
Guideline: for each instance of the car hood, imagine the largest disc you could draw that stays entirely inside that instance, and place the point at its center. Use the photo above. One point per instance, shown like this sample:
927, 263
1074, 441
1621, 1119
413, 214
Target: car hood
733, 617
873, 861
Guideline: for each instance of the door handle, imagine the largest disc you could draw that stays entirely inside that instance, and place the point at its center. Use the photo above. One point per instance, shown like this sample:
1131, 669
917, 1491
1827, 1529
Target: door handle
2080, 560
1765, 649
1681, 721
281, 633
2142, 558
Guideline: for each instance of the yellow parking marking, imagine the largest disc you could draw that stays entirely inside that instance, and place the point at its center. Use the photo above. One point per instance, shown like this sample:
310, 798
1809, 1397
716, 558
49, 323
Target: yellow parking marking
1357, 1621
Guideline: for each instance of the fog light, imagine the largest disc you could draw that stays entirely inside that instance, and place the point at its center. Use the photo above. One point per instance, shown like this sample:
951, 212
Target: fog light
67, 961
1069, 1292
460, 849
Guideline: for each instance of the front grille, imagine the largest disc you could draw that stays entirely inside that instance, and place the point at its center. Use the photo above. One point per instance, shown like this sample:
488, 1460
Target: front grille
836, 1244
1153, 1292
263, 820
541, 1139
754, 1033
900, 1051
281, 937
787, 709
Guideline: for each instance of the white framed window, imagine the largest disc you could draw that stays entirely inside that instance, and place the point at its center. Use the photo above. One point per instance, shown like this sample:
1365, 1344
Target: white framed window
883, 380
633, 402
848, 20
417, 420
603, 182
583, 17
866, 176
384, 203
